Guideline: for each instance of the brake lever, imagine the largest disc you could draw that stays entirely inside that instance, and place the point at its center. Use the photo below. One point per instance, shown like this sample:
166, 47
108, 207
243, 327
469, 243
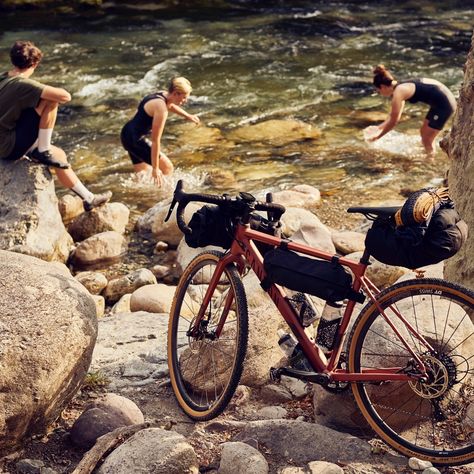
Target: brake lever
170, 210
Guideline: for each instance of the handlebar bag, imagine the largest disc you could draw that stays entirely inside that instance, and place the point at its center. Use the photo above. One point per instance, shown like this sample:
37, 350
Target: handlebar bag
209, 226
418, 245
326, 280
257, 222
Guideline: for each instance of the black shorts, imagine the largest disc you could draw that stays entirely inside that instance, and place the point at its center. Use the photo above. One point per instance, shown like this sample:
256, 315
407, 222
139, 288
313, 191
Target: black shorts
139, 148
26, 133
438, 115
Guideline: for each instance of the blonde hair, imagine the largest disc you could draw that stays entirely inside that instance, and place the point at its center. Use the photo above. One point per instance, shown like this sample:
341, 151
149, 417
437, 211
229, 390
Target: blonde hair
180, 84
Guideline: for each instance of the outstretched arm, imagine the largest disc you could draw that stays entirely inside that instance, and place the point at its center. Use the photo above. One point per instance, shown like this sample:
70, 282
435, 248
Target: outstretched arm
159, 119
179, 111
398, 103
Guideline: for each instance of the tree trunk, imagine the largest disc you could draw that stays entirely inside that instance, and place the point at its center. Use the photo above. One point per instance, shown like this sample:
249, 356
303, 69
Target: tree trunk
460, 148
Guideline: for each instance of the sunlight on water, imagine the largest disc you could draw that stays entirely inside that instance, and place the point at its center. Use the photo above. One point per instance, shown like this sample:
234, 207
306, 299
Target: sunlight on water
121, 87
297, 62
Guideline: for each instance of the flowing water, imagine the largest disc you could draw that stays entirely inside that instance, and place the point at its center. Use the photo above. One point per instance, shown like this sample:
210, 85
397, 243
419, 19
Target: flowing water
249, 62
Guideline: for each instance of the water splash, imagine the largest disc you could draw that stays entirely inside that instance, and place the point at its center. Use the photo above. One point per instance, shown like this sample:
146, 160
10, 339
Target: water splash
143, 181
395, 142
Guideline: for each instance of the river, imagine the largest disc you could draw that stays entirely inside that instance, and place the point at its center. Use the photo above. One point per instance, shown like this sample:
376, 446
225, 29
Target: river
249, 62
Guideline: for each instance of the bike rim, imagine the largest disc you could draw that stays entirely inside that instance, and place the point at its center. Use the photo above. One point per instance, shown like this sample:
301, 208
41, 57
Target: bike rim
434, 419
205, 367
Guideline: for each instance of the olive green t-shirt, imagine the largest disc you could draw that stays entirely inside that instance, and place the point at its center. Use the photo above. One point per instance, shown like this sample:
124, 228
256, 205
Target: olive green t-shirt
16, 94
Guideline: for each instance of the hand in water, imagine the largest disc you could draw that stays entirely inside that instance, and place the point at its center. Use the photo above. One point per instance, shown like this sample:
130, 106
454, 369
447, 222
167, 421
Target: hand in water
195, 119
371, 133
157, 176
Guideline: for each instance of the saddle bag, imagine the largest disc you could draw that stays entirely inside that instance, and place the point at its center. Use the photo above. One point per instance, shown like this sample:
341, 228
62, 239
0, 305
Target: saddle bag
419, 244
210, 226
326, 280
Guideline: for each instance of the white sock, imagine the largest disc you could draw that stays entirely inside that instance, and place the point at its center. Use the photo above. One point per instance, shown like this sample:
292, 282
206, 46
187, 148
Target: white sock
82, 192
44, 139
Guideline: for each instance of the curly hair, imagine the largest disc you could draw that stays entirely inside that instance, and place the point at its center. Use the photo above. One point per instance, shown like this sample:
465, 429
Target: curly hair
25, 54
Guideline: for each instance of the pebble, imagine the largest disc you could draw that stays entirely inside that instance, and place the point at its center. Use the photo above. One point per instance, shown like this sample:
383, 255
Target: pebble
431, 470
418, 464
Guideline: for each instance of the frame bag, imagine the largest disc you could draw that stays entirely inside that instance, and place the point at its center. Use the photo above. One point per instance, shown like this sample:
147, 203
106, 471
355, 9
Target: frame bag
326, 280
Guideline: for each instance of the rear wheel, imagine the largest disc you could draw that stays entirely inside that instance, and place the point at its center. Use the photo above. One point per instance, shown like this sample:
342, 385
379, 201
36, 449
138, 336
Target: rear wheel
205, 364
431, 419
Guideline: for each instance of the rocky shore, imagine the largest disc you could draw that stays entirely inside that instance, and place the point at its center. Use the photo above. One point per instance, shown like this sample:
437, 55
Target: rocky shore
93, 332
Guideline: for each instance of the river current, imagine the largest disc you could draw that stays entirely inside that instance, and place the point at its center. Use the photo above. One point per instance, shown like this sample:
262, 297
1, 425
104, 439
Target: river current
249, 63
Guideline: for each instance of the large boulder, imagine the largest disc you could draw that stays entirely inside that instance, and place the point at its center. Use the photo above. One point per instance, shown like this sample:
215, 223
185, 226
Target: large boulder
460, 148
30, 221
49, 327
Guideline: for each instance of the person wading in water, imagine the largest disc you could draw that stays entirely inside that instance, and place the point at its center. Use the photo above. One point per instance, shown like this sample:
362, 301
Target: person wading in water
429, 91
151, 117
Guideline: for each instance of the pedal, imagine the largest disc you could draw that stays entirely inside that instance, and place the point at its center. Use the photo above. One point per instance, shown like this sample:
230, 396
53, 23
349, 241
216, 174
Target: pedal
275, 374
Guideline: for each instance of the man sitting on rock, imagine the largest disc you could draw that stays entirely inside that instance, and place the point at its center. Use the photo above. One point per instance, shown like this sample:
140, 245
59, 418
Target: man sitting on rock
28, 111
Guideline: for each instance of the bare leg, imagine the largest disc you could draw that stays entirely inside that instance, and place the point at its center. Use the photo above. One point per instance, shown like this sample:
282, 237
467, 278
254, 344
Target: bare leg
138, 167
428, 136
166, 166
66, 177
48, 111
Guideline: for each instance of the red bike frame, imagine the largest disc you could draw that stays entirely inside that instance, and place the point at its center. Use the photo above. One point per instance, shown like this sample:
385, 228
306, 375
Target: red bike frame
244, 250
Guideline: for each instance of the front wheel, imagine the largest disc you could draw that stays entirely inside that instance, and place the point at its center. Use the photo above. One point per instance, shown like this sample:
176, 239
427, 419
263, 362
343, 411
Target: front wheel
430, 418
206, 358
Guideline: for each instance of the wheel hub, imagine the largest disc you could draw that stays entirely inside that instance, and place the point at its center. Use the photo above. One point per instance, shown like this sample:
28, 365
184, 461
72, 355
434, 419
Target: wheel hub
441, 376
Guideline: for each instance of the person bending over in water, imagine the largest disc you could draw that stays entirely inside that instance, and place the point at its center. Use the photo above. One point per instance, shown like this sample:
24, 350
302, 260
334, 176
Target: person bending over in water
151, 117
28, 111
429, 91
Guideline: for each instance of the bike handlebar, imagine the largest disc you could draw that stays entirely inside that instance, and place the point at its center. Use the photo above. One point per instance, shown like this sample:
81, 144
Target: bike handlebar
240, 205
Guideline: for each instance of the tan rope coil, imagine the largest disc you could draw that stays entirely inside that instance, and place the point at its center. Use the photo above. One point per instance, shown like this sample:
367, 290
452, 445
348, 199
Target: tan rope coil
420, 205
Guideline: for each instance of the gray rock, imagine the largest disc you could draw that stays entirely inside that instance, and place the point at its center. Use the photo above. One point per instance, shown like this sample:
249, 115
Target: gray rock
30, 222
419, 464
275, 393
305, 442
323, 467
92, 424
272, 413
99, 251
155, 298
152, 451
95, 282
102, 416
29, 466
49, 328
128, 284
240, 458
112, 216
130, 340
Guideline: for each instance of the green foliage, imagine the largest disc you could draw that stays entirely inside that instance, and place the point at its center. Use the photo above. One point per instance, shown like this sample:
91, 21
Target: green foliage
95, 381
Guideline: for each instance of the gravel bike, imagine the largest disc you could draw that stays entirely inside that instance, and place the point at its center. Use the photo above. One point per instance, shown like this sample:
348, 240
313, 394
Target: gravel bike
407, 356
